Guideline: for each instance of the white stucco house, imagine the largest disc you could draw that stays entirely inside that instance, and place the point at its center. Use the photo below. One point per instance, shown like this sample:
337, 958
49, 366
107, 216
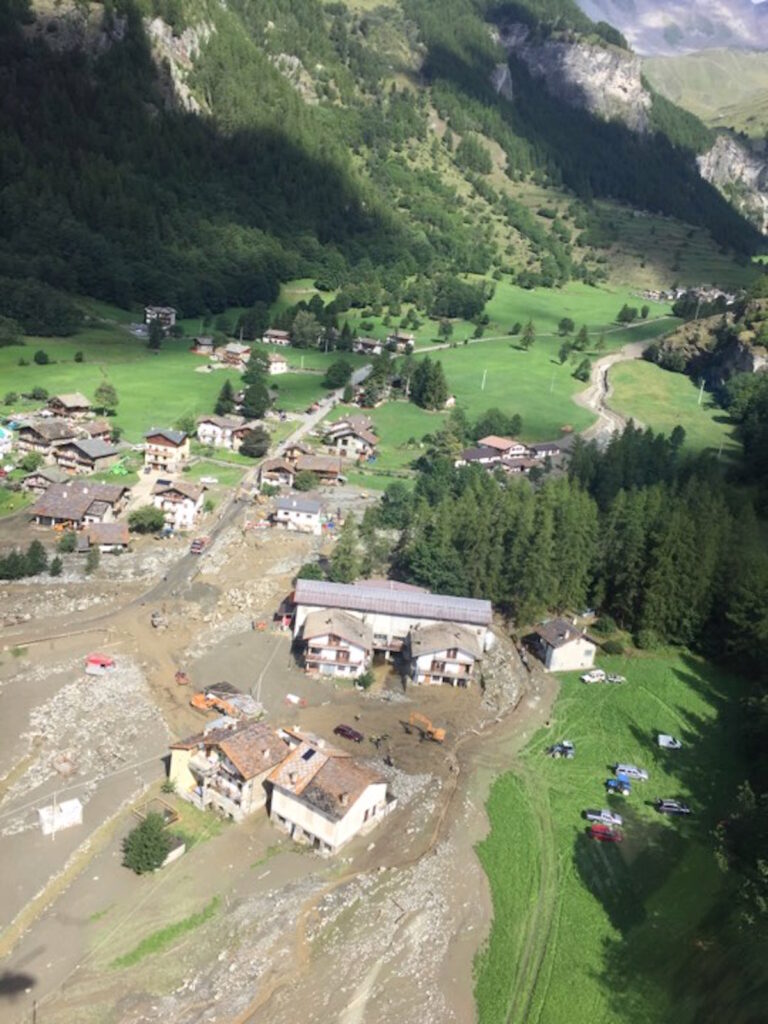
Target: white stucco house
323, 797
563, 647
276, 364
336, 644
181, 502
295, 512
444, 653
167, 450
276, 472
353, 436
223, 431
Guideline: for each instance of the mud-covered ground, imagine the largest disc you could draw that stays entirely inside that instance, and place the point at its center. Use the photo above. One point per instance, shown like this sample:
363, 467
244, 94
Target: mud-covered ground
385, 931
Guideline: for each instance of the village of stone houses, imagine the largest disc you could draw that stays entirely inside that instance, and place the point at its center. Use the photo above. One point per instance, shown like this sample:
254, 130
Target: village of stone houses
215, 720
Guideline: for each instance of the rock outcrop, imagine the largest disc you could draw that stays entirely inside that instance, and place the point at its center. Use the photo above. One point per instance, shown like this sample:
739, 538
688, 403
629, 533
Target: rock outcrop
717, 347
604, 80
174, 56
741, 175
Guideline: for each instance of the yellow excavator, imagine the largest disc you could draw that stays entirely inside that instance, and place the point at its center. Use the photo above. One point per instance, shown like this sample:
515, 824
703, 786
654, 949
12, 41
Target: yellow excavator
425, 727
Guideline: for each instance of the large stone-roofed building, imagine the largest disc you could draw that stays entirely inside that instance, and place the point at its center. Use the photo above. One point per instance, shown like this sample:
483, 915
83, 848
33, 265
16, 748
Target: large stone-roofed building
392, 609
74, 405
226, 768
78, 503
86, 456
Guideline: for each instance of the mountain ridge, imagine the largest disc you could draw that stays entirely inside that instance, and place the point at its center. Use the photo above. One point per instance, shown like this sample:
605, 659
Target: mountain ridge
313, 152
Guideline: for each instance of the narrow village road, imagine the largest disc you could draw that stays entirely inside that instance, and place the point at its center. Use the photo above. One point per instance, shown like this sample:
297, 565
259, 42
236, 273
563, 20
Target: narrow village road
595, 396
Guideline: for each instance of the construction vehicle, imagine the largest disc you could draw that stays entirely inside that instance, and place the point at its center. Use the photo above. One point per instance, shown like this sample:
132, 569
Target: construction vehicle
425, 727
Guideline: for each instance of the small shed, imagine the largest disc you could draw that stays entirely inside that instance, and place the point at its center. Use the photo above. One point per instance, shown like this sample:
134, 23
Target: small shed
59, 816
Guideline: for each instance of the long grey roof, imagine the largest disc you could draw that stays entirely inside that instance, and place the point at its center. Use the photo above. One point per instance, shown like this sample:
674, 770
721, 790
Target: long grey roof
363, 598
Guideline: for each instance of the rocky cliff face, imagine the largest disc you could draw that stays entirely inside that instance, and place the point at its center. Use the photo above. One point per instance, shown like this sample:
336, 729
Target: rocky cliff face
741, 174
714, 348
605, 80
174, 57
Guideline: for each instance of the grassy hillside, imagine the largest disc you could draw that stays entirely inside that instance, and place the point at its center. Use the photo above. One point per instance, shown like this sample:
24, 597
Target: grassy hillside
663, 400
585, 931
725, 88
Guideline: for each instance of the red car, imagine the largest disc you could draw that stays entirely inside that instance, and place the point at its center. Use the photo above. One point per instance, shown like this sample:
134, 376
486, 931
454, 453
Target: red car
605, 834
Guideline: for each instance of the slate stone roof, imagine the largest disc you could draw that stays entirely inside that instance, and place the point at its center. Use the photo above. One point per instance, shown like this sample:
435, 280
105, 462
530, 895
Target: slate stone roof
431, 639
338, 623
254, 749
558, 632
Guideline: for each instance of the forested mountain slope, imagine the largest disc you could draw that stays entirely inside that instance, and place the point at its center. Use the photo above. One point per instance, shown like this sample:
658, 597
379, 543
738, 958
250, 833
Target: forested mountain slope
187, 152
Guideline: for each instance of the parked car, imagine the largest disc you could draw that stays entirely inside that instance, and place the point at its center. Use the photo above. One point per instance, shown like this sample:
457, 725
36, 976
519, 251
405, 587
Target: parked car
349, 733
605, 816
631, 771
565, 749
595, 676
669, 742
613, 678
664, 806
619, 786
605, 834
198, 545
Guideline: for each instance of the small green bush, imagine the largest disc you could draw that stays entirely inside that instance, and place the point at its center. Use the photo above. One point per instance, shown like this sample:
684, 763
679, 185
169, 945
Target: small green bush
67, 542
365, 680
146, 847
613, 647
605, 624
647, 639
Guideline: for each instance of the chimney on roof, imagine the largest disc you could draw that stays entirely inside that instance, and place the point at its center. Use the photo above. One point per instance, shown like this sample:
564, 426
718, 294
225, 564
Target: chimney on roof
344, 799
293, 777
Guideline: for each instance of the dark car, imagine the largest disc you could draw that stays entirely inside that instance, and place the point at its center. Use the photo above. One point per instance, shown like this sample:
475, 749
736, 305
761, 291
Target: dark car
605, 834
671, 806
349, 733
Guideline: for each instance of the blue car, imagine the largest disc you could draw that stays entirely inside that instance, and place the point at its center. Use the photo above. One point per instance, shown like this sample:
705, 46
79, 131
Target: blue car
620, 786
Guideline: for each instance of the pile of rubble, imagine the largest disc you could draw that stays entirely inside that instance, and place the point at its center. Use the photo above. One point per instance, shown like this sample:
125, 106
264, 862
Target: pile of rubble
88, 729
504, 676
